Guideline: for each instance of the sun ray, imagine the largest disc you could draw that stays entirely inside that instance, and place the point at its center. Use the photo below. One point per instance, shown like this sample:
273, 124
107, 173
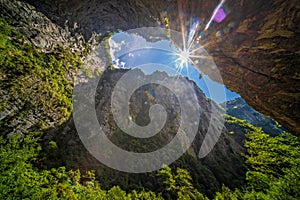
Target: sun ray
201, 57
182, 24
201, 47
190, 52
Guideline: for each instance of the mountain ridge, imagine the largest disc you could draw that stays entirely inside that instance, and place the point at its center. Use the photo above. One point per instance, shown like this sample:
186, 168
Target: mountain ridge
240, 109
224, 163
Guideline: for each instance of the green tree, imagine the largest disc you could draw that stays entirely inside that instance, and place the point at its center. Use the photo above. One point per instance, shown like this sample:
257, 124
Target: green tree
20, 179
227, 194
178, 185
274, 166
167, 182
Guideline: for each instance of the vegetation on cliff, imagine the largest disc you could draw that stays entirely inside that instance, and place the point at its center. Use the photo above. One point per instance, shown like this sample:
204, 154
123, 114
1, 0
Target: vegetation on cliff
35, 87
36, 91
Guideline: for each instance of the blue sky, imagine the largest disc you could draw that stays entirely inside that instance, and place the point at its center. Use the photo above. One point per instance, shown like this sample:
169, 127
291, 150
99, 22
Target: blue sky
131, 51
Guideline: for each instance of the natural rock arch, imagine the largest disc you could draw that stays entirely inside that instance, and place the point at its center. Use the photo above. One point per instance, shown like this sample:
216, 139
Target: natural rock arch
258, 57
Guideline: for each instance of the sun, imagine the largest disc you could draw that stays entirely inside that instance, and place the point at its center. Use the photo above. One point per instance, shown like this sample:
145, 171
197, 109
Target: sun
184, 56
183, 59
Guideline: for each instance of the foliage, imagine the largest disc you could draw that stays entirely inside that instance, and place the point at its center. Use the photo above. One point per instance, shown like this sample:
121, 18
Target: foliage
33, 79
227, 194
177, 186
43, 81
241, 110
20, 179
241, 123
274, 166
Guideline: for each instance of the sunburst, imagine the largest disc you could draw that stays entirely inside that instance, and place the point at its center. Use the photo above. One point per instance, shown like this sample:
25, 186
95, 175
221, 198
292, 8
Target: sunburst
183, 59
191, 51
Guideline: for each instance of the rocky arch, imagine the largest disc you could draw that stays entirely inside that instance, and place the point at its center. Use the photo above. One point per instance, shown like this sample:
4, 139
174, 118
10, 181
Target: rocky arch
258, 57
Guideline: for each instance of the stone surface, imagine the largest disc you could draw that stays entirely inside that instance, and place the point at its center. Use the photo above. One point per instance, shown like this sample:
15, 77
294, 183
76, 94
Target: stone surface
260, 36
21, 92
38, 29
257, 53
224, 164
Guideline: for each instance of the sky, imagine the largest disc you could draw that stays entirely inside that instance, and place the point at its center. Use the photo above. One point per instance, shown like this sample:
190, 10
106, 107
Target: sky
131, 51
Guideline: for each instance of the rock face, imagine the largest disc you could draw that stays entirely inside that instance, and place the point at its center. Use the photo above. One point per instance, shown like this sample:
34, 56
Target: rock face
33, 51
243, 54
256, 47
224, 164
38, 29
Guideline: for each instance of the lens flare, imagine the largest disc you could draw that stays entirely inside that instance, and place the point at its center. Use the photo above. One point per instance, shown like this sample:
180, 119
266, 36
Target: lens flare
190, 53
193, 29
150, 94
183, 59
214, 14
220, 15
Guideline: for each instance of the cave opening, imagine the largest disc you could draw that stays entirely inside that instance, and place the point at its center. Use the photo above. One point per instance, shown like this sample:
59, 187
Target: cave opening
137, 49
129, 51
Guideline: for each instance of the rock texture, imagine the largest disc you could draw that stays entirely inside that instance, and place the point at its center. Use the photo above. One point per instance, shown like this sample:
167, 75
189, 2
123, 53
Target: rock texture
38, 62
256, 47
224, 164
256, 56
38, 29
